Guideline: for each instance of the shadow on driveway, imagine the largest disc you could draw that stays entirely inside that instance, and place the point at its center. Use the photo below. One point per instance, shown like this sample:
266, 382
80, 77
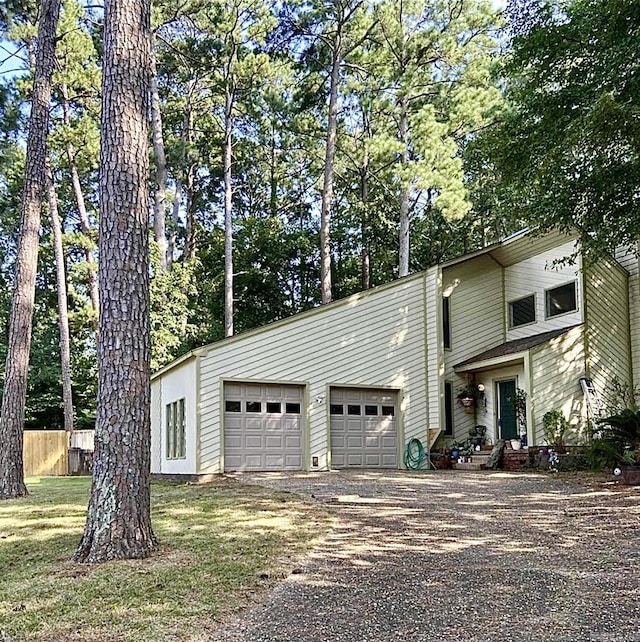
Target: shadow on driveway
458, 556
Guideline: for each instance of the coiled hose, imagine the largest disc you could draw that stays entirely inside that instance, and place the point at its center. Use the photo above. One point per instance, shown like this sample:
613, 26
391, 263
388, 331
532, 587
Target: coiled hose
415, 456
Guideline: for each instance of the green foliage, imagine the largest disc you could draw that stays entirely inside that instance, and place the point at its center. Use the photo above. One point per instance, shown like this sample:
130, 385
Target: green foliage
568, 150
172, 292
555, 426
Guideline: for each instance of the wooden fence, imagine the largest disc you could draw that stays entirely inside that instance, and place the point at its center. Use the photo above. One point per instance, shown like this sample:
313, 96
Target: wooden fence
46, 452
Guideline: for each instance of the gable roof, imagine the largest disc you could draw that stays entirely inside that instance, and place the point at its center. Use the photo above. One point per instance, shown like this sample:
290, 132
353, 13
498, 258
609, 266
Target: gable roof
515, 346
518, 247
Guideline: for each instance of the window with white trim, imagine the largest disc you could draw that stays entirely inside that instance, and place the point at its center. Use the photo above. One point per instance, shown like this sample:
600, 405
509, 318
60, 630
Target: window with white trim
176, 423
561, 300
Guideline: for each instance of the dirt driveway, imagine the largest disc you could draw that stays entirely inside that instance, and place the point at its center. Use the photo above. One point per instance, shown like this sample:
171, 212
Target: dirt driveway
459, 556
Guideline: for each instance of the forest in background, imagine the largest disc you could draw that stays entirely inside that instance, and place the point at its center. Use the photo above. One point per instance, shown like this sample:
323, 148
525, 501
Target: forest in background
446, 119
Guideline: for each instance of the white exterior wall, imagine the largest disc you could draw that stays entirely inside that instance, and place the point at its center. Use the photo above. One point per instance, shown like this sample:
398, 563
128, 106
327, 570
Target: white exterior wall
179, 382
156, 425
607, 333
477, 323
376, 339
535, 275
556, 368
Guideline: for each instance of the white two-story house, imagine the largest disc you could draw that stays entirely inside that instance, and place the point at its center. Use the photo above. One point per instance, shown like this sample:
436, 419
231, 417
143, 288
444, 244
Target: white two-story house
349, 384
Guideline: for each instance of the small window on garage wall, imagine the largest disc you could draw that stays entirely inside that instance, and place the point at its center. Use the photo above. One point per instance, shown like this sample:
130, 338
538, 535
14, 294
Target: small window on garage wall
448, 408
233, 406
292, 408
176, 430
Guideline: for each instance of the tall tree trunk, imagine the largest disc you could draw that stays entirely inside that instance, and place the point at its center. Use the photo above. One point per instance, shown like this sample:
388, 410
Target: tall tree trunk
329, 160
228, 213
63, 314
87, 230
160, 192
20, 326
404, 189
173, 224
119, 521
365, 258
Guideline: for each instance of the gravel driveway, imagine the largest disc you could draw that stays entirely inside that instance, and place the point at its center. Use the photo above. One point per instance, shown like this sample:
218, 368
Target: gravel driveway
458, 556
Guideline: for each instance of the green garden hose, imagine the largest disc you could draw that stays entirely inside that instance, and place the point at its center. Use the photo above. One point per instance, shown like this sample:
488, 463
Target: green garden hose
415, 456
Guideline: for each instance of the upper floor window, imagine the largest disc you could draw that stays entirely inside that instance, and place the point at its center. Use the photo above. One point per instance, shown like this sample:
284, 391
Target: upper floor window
561, 300
446, 322
176, 430
522, 311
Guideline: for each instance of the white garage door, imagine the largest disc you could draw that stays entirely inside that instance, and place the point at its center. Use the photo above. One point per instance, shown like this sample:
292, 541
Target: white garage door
364, 428
262, 427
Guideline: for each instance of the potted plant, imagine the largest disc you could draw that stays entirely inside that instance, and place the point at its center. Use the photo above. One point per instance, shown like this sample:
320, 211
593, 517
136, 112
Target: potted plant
469, 395
477, 435
519, 404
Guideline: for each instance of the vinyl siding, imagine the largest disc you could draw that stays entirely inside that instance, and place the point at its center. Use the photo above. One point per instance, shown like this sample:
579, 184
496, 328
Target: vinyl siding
556, 368
630, 261
477, 322
518, 250
435, 358
608, 341
372, 340
156, 425
534, 276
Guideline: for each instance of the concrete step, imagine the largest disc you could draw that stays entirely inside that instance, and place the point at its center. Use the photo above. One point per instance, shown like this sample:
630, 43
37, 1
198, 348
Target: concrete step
471, 465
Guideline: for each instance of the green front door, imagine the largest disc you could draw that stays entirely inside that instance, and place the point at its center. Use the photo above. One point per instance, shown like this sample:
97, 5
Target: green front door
506, 392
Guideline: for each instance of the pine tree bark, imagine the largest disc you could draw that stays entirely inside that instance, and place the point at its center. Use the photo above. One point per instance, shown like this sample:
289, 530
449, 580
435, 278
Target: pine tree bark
228, 212
404, 243
63, 313
20, 326
119, 522
329, 161
160, 192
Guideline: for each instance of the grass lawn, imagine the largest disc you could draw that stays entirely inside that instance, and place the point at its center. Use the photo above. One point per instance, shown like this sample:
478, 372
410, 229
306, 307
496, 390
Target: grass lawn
221, 546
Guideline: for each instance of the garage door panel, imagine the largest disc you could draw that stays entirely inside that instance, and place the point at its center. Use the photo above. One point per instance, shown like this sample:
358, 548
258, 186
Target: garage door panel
354, 441
253, 441
292, 442
234, 441
259, 435
367, 436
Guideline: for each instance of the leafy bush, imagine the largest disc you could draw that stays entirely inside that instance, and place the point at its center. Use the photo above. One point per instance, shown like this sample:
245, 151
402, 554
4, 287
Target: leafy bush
555, 427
